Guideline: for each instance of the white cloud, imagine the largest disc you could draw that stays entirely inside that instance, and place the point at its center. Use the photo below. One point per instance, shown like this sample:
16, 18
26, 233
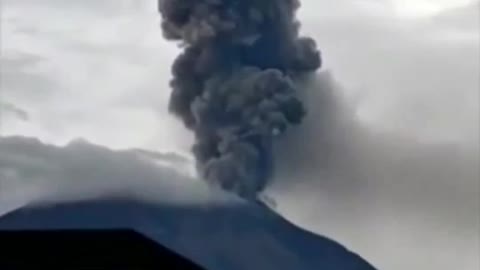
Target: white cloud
414, 76
31, 171
426, 7
83, 74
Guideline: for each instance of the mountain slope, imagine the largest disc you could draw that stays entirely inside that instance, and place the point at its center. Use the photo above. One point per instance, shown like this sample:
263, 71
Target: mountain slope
237, 237
81, 185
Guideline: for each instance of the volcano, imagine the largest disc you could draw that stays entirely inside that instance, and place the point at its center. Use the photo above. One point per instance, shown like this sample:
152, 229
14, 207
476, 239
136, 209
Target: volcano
237, 237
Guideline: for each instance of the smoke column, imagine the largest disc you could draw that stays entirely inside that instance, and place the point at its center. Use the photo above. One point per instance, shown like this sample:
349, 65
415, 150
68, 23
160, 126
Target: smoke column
234, 84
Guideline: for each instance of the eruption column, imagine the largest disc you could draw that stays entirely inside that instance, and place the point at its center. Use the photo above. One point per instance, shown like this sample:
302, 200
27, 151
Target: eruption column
234, 83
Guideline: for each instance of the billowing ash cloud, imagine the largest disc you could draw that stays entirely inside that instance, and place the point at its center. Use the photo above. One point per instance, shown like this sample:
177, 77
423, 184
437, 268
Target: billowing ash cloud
234, 83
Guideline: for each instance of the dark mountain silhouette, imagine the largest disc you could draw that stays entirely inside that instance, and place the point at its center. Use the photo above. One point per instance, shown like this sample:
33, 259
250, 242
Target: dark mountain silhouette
87, 249
217, 237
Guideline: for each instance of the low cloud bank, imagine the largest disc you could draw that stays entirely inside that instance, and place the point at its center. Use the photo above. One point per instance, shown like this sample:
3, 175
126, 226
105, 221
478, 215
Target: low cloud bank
34, 172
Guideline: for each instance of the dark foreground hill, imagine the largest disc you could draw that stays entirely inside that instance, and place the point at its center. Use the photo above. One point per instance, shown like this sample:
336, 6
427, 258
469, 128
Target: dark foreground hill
107, 249
221, 237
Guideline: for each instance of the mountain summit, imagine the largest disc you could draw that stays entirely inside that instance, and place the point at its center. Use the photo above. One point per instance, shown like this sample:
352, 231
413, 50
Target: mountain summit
241, 237
85, 186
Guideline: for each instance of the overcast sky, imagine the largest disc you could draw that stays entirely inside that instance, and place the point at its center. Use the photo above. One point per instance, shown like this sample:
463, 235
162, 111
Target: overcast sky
99, 70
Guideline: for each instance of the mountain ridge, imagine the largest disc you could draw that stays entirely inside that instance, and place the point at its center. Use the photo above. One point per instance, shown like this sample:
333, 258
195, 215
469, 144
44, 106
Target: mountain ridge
219, 237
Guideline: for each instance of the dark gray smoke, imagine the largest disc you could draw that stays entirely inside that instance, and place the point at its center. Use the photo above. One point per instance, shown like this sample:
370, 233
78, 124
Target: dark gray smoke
234, 85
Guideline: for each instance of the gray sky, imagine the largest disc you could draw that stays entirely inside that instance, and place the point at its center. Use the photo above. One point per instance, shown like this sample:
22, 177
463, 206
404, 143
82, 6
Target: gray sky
99, 70
90, 69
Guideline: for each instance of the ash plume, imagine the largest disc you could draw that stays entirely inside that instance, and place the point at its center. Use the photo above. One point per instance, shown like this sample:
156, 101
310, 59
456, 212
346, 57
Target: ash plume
235, 83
